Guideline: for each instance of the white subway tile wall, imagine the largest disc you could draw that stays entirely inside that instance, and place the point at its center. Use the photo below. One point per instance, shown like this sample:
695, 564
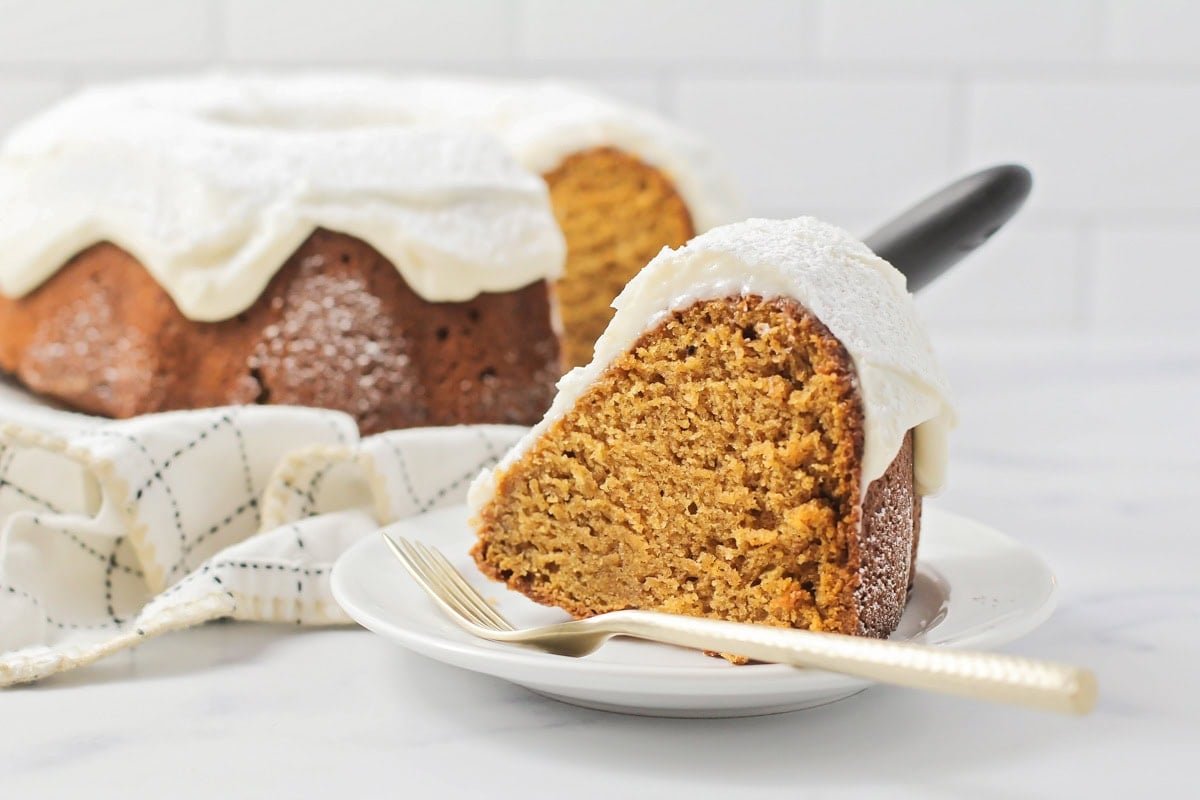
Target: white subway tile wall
1159, 32
863, 144
379, 32
1147, 275
665, 33
1111, 150
847, 109
72, 34
954, 32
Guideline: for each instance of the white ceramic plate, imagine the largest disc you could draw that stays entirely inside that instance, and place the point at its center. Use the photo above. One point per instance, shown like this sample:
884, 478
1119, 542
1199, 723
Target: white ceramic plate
975, 587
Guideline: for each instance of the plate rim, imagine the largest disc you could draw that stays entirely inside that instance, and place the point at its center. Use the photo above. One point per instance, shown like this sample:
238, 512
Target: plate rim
547, 666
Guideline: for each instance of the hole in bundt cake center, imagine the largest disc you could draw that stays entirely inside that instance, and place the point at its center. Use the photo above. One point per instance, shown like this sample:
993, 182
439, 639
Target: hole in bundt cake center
712, 470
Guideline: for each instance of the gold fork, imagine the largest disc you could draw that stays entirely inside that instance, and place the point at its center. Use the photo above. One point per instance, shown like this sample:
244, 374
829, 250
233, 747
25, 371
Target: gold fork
982, 676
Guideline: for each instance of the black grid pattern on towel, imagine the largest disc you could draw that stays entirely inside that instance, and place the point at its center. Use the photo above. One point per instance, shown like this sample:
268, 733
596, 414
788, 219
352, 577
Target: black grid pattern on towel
448, 490
226, 434
108, 556
221, 440
223, 444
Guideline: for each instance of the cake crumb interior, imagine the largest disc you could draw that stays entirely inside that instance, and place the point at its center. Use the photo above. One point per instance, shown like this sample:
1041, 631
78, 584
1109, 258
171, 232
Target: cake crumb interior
712, 470
616, 213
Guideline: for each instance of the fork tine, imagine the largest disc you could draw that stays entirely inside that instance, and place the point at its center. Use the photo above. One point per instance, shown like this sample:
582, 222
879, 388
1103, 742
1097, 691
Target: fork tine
448, 593
419, 573
433, 585
470, 593
453, 581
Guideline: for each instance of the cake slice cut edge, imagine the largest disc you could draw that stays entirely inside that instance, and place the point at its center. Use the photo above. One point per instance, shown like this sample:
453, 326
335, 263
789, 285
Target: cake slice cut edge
712, 471
713, 461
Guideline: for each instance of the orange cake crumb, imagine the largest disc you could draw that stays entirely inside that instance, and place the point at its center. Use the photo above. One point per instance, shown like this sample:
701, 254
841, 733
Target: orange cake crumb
616, 213
712, 470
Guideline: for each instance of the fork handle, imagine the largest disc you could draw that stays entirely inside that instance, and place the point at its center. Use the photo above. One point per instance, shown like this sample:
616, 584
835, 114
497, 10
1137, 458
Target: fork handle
982, 676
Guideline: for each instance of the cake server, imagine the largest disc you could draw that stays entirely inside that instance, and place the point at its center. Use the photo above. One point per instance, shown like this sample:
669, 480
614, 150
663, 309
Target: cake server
936, 233
982, 676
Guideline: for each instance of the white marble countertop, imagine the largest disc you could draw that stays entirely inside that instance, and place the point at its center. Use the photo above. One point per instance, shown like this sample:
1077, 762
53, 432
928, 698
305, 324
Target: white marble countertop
1089, 450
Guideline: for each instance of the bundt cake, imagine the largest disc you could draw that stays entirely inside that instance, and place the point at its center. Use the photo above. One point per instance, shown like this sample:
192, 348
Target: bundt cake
623, 183
379, 246
751, 442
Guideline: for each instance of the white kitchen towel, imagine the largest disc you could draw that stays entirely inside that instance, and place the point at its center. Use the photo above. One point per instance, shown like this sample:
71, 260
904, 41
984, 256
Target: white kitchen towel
111, 533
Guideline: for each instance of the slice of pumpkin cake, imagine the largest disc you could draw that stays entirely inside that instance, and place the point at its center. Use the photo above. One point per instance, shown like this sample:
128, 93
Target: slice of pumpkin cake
751, 442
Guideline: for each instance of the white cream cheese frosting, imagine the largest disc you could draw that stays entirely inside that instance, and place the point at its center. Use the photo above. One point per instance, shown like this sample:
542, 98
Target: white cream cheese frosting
211, 182
859, 297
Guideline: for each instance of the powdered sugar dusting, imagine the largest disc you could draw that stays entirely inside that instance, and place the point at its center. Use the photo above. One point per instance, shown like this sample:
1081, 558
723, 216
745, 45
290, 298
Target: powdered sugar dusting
885, 548
82, 353
333, 331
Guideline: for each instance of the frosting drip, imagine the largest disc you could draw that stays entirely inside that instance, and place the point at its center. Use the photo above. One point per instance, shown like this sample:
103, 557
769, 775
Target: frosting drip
857, 295
213, 208
212, 182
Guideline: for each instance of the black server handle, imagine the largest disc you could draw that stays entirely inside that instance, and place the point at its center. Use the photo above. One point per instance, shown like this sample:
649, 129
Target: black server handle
936, 233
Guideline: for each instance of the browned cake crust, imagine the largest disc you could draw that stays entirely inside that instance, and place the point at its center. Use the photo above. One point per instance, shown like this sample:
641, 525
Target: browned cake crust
337, 327
713, 470
616, 213
102, 336
887, 545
